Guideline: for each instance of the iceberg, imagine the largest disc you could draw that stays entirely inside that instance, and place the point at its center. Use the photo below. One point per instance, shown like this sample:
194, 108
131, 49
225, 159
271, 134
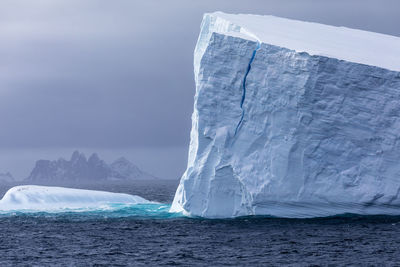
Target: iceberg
35, 198
292, 119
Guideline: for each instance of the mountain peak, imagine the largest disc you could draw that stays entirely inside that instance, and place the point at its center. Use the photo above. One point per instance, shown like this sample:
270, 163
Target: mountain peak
122, 160
94, 158
6, 177
78, 168
77, 156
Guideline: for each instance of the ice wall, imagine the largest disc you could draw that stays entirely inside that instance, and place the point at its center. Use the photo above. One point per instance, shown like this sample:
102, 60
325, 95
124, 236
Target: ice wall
291, 119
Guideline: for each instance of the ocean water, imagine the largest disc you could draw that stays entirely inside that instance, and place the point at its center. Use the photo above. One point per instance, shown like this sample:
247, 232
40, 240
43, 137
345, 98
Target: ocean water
147, 235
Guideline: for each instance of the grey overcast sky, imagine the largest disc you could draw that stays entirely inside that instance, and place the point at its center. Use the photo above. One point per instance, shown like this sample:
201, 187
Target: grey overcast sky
116, 76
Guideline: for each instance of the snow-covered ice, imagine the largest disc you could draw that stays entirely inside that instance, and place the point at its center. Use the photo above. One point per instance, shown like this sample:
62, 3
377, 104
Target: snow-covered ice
292, 119
56, 199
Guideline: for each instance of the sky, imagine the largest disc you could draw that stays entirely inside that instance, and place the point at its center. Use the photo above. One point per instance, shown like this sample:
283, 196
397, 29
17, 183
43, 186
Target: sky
116, 77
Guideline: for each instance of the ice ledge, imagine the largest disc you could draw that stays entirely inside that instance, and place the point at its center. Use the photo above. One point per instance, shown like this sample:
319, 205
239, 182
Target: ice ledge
48, 198
343, 43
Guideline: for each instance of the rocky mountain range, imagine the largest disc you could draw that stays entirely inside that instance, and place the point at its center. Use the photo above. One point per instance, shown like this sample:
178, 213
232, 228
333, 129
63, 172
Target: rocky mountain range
82, 169
6, 177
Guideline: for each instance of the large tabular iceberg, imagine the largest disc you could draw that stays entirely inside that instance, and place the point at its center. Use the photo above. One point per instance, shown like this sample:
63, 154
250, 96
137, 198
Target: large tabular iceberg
55, 199
292, 119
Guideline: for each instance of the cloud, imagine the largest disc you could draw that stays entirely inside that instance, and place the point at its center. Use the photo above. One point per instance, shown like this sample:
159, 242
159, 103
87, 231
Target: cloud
119, 73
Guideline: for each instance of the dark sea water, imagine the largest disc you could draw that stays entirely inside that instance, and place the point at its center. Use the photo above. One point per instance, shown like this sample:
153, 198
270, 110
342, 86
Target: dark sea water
150, 236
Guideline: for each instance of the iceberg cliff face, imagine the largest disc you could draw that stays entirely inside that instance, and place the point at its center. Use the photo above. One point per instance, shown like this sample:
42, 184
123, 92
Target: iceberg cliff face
292, 119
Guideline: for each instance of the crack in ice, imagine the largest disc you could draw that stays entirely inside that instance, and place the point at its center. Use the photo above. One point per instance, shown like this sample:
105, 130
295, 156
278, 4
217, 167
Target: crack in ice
244, 86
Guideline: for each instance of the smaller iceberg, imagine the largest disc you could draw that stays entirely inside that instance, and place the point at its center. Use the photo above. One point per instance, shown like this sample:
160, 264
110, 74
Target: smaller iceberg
34, 198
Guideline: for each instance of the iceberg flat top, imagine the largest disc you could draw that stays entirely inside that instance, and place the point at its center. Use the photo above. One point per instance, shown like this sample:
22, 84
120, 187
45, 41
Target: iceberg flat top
343, 43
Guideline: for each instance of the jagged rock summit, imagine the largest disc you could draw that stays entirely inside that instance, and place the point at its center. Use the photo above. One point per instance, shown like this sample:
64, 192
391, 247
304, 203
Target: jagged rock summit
79, 168
124, 169
6, 177
292, 119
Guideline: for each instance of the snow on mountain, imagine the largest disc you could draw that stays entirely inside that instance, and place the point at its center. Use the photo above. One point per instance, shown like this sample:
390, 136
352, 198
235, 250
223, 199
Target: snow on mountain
124, 169
292, 119
6, 178
79, 168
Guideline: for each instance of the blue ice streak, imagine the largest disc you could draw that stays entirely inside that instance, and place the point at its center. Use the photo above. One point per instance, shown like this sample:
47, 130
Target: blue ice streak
244, 86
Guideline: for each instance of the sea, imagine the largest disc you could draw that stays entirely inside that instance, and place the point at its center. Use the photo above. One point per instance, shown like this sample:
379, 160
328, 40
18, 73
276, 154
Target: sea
148, 235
